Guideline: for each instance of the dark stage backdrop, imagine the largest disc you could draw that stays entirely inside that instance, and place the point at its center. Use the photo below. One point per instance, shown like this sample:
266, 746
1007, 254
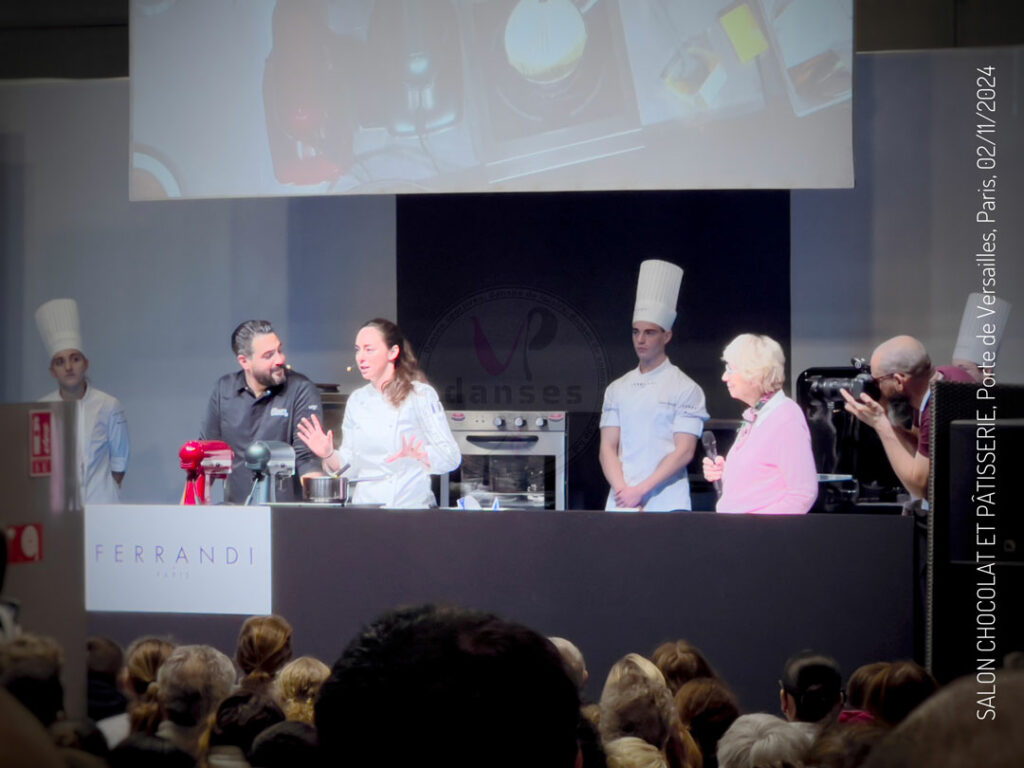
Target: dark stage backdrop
524, 301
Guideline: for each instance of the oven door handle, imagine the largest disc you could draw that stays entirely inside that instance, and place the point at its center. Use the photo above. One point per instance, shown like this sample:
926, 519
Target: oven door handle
505, 441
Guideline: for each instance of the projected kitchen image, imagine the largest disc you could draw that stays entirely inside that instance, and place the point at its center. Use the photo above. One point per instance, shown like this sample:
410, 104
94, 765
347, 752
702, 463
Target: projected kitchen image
383, 96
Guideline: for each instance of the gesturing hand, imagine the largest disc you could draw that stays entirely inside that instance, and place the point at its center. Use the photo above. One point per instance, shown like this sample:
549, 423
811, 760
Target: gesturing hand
412, 448
312, 434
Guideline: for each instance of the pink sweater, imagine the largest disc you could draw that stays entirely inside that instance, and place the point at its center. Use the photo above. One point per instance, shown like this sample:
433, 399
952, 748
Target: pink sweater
770, 469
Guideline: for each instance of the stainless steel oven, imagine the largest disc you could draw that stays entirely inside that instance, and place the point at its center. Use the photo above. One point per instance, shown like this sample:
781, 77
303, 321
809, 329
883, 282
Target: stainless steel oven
514, 459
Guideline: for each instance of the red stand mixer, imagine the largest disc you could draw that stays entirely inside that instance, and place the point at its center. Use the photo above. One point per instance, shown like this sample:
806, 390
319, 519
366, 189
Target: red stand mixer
204, 461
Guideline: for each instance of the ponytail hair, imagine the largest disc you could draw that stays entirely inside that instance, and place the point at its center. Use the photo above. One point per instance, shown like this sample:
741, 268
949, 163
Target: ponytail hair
264, 646
142, 663
407, 367
297, 684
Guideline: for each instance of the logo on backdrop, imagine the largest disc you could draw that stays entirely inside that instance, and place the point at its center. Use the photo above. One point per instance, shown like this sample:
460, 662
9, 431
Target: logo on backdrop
161, 559
518, 349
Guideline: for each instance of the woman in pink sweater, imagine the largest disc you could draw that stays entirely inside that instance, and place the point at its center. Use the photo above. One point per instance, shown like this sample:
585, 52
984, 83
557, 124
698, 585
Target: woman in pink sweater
770, 468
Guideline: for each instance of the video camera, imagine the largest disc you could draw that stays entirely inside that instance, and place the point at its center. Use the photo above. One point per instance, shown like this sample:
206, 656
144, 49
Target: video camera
824, 388
842, 445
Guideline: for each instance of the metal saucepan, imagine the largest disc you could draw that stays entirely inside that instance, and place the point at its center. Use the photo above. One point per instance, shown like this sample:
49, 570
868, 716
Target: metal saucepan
324, 489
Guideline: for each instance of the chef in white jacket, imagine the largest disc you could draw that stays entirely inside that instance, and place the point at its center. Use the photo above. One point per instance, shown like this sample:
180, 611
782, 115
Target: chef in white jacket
103, 447
653, 416
394, 434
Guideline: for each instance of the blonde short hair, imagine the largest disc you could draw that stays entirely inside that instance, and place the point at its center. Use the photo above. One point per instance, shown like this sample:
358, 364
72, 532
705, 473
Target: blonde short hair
758, 359
632, 752
633, 664
636, 702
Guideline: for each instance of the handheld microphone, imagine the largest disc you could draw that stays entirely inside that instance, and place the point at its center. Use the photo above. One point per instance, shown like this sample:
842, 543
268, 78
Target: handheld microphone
711, 451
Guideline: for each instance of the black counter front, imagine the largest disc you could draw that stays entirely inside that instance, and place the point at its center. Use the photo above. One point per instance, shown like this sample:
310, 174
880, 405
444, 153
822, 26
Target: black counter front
748, 590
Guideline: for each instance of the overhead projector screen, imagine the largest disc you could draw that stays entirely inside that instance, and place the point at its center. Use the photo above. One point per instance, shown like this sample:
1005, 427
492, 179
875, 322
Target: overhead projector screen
257, 97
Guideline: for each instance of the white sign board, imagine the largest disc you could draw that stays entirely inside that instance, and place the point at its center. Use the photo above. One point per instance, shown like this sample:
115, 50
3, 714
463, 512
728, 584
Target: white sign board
177, 559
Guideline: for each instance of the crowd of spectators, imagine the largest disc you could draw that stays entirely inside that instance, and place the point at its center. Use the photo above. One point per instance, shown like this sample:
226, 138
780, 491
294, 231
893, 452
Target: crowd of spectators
447, 686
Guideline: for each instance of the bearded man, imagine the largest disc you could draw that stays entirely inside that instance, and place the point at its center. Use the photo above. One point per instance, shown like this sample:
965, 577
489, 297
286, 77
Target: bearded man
262, 401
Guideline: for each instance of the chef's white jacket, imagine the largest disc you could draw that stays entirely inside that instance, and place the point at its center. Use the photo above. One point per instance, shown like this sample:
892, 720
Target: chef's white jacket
103, 445
372, 430
649, 409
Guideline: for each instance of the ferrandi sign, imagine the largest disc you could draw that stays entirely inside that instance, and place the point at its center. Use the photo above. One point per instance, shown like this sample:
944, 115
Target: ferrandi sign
177, 559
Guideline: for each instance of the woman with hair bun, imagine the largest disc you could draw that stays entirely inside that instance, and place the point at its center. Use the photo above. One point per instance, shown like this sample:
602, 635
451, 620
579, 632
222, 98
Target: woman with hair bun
264, 646
296, 687
770, 467
394, 434
137, 679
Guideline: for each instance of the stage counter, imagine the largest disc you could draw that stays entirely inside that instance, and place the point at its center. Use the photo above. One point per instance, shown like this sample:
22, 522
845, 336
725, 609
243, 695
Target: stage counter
748, 590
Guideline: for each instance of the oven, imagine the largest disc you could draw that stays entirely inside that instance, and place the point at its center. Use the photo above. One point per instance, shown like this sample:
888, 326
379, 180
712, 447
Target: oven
509, 460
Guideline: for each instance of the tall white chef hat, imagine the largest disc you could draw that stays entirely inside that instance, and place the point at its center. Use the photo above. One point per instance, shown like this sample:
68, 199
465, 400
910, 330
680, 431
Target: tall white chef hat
657, 291
970, 342
57, 321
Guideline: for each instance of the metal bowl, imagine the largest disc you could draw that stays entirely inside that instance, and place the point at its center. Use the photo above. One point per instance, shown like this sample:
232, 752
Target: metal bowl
324, 489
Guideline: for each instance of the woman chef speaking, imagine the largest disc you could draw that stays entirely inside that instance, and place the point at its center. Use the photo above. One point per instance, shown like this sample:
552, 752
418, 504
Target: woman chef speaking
394, 434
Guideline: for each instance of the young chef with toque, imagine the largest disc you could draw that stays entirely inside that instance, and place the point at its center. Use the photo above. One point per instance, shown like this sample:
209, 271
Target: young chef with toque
654, 415
103, 447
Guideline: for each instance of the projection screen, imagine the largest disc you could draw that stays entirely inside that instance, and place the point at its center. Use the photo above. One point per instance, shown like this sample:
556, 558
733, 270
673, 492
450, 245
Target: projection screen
257, 97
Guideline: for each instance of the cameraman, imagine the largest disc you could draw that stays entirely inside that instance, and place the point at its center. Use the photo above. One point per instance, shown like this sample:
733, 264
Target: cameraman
903, 372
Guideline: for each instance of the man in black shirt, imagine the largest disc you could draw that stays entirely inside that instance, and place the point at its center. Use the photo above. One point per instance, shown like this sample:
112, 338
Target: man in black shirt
263, 401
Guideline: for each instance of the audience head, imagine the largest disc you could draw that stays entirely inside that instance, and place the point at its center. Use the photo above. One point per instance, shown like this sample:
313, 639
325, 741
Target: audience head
103, 657
812, 687
574, 662
636, 702
143, 750
631, 665
682, 751
845, 745
632, 752
142, 661
238, 720
956, 728
264, 646
707, 707
502, 684
762, 741
897, 689
191, 682
285, 745
297, 684
857, 685
30, 667
680, 662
